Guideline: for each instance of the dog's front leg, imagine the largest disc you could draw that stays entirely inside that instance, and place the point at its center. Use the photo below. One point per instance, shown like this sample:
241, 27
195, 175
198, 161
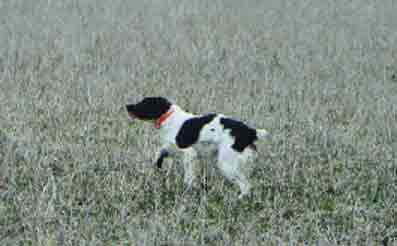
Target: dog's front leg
189, 157
163, 153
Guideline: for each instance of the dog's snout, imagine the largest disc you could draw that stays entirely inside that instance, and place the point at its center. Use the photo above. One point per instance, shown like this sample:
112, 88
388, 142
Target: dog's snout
129, 107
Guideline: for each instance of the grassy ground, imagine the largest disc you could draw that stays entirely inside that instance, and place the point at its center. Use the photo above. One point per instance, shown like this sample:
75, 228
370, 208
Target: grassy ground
321, 76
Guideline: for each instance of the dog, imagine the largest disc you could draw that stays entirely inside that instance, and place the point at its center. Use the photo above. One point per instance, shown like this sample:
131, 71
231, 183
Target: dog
182, 130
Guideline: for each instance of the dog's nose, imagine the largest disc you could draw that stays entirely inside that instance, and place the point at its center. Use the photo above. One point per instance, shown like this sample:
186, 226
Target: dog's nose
129, 107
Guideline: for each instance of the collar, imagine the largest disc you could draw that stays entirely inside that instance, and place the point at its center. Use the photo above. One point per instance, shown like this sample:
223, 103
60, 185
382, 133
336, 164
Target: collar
163, 118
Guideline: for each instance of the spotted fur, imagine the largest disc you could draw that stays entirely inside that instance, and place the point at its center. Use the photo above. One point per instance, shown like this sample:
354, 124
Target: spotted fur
181, 131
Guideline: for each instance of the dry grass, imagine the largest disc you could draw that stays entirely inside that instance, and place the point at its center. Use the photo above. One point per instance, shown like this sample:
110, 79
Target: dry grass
320, 75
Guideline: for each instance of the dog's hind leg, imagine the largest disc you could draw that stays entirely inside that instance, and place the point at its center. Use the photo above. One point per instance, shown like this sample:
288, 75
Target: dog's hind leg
229, 164
243, 183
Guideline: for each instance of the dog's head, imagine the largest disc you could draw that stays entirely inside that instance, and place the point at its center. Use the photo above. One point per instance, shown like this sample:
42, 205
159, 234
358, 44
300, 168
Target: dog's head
150, 108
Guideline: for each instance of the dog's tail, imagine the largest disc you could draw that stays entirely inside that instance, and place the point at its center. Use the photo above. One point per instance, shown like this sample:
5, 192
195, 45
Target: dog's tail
263, 134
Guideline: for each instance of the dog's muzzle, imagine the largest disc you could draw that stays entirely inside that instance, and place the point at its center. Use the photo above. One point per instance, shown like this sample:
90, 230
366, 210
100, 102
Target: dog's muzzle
129, 111
131, 116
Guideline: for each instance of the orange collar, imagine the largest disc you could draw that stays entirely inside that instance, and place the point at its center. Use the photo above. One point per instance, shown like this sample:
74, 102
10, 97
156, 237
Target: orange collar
163, 118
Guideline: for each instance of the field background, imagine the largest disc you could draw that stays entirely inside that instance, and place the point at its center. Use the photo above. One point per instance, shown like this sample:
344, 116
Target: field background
321, 76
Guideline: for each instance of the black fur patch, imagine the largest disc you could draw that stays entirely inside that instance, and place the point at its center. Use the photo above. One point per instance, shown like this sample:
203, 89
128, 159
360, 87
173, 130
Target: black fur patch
243, 135
150, 108
163, 154
190, 130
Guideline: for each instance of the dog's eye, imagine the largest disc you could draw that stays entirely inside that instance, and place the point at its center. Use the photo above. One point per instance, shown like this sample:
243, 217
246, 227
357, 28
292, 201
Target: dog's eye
212, 129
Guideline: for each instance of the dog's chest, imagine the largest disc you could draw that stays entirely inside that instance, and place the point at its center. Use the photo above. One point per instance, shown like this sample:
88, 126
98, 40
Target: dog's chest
171, 128
169, 134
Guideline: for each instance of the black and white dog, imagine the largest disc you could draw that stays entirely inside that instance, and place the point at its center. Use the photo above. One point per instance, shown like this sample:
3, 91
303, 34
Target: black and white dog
181, 130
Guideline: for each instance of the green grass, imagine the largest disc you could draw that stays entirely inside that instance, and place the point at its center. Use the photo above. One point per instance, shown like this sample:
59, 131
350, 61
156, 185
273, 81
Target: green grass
320, 76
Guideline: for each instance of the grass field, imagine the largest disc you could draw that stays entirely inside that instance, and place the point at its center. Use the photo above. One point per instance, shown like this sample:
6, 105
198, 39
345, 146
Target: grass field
321, 76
